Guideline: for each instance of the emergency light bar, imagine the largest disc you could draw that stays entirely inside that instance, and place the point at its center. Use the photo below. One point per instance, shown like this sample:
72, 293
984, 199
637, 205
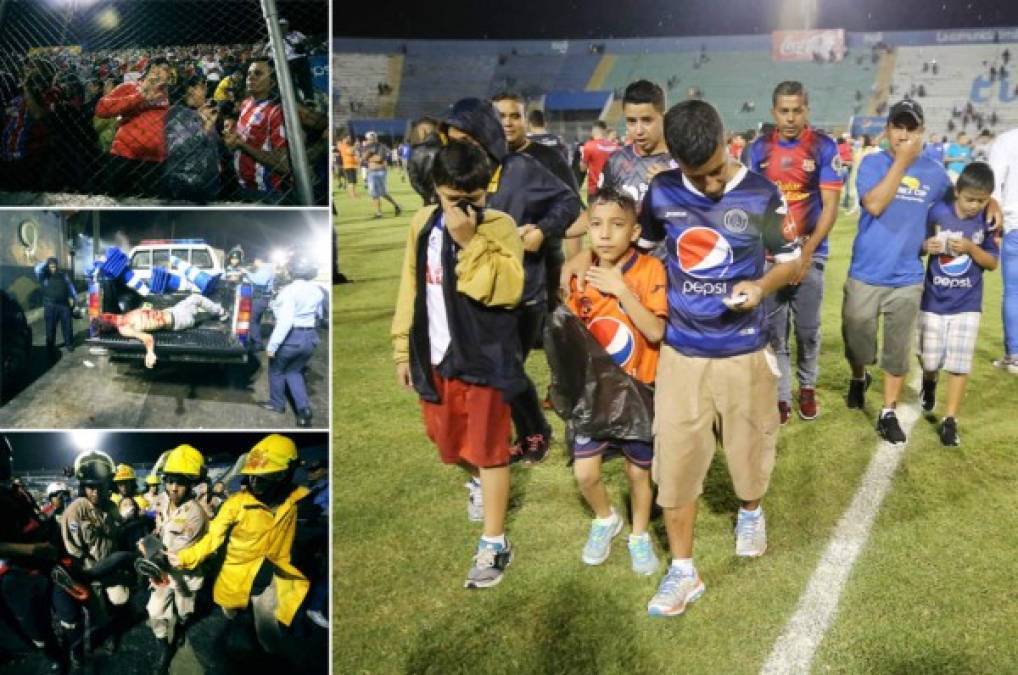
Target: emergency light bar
154, 242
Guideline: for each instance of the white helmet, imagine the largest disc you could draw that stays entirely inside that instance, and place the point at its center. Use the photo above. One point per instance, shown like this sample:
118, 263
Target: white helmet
55, 487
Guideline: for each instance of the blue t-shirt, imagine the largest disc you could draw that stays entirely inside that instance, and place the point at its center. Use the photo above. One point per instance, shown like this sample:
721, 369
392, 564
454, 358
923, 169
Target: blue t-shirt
954, 284
710, 246
934, 151
957, 156
887, 248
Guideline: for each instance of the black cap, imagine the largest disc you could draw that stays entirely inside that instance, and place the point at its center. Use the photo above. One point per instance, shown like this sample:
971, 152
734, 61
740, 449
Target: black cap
906, 108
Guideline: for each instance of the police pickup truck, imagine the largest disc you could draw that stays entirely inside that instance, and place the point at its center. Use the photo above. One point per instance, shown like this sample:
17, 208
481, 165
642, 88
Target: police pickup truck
207, 342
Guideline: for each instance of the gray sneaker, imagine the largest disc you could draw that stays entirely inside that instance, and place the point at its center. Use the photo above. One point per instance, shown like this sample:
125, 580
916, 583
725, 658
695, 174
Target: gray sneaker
677, 590
490, 562
475, 501
599, 542
641, 551
750, 535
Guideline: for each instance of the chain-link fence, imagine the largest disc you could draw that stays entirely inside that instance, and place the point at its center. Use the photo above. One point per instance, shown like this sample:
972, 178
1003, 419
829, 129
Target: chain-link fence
163, 101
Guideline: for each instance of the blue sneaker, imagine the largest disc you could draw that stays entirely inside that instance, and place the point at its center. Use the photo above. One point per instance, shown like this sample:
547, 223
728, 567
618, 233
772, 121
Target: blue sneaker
599, 542
677, 590
641, 551
490, 562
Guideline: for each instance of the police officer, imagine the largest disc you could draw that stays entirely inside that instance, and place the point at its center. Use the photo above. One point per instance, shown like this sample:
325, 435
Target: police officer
297, 308
89, 530
262, 278
235, 265
258, 581
182, 522
58, 296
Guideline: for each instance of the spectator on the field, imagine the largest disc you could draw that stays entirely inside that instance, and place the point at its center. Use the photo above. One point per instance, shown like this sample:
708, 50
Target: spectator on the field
1004, 161
138, 144
425, 142
896, 189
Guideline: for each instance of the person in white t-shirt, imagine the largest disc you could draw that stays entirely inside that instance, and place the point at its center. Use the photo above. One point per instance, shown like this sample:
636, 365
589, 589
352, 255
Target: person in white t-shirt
1004, 162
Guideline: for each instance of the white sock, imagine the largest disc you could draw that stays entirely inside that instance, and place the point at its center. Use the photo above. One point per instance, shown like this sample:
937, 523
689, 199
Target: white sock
755, 513
684, 565
884, 412
639, 537
500, 539
610, 520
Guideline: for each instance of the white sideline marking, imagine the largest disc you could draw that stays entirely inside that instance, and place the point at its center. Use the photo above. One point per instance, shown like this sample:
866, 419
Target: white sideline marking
795, 648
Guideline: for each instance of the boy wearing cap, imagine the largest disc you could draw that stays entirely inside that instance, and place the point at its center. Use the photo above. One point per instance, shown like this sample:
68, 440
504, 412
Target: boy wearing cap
896, 189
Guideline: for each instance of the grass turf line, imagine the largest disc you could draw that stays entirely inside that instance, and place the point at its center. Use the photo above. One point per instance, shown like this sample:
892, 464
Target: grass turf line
403, 544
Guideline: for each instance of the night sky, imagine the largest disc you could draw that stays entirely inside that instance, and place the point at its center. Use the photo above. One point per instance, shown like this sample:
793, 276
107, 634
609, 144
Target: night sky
592, 19
53, 450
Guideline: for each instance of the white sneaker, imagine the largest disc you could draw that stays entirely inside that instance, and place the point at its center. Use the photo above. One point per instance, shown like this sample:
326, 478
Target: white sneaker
475, 501
750, 535
677, 590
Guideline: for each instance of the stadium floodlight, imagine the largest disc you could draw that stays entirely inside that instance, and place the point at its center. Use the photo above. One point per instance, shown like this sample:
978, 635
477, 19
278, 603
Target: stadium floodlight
279, 257
85, 439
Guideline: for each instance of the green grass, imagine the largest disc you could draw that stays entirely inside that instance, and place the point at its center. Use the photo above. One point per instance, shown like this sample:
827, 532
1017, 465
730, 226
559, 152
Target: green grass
932, 591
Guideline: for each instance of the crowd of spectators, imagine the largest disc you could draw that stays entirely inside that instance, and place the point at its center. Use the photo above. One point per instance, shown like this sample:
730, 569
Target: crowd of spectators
147, 122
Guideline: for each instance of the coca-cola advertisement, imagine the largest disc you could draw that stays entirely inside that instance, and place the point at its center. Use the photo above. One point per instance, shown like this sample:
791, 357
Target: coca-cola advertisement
808, 45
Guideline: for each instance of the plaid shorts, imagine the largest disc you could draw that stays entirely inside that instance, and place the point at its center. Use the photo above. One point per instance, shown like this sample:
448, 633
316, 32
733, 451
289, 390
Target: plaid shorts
947, 341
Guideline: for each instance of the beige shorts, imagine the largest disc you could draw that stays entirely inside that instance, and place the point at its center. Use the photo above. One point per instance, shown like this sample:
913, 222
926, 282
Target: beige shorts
700, 402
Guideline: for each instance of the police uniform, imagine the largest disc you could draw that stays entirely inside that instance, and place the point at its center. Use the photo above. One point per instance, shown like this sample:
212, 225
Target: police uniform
89, 533
170, 604
58, 296
262, 279
297, 309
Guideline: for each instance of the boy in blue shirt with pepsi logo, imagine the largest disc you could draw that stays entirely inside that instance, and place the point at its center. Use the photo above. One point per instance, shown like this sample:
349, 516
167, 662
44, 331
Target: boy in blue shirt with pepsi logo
961, 245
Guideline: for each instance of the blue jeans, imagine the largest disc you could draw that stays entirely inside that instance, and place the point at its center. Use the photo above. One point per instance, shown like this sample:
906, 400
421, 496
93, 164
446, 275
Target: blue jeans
1009, 261
286, 369
799, 307
54, 314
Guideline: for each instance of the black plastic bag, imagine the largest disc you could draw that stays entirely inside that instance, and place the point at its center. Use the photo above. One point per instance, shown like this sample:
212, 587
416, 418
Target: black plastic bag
588, 390
191, 170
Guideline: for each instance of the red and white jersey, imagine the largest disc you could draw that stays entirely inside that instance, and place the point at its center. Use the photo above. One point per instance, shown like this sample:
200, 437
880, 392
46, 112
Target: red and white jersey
260, 125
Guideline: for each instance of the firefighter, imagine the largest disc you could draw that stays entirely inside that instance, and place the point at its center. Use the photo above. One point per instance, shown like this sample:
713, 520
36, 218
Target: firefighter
258, 578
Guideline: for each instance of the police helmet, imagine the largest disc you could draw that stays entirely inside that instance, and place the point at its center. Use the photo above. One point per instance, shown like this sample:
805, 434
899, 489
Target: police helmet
94, 467
301, 266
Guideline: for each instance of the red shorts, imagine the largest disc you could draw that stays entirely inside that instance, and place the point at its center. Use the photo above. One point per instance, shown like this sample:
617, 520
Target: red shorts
471, 424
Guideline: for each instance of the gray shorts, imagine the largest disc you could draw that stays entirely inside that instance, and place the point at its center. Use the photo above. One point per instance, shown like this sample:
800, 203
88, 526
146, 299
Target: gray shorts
862, 308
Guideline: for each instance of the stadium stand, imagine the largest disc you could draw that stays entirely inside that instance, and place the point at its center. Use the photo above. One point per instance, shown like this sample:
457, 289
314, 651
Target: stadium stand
358, 76
431, 83
735, 73
962, 74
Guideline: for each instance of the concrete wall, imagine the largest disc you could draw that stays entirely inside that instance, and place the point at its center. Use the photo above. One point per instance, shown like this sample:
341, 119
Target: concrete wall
27, 238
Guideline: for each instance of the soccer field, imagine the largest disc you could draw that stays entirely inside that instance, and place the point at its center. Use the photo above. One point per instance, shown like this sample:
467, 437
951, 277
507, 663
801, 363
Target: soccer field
932, 592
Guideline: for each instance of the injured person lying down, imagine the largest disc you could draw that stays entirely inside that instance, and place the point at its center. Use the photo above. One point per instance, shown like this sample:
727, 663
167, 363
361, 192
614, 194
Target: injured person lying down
142, 322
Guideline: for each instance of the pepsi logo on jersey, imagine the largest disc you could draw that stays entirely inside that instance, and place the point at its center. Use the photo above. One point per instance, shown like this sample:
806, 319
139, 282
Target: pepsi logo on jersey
616, 338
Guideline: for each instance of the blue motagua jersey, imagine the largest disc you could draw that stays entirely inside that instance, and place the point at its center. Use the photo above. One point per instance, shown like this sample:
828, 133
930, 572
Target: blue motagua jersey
712, 245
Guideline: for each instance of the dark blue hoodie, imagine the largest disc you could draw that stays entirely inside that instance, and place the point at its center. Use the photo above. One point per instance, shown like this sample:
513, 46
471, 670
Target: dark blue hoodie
522, 187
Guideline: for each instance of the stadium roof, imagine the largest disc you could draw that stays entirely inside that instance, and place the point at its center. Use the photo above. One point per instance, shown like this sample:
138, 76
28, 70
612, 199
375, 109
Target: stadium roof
593, 19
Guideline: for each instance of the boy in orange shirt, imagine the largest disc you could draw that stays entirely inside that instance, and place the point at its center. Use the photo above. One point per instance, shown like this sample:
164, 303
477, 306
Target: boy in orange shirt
624, 306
